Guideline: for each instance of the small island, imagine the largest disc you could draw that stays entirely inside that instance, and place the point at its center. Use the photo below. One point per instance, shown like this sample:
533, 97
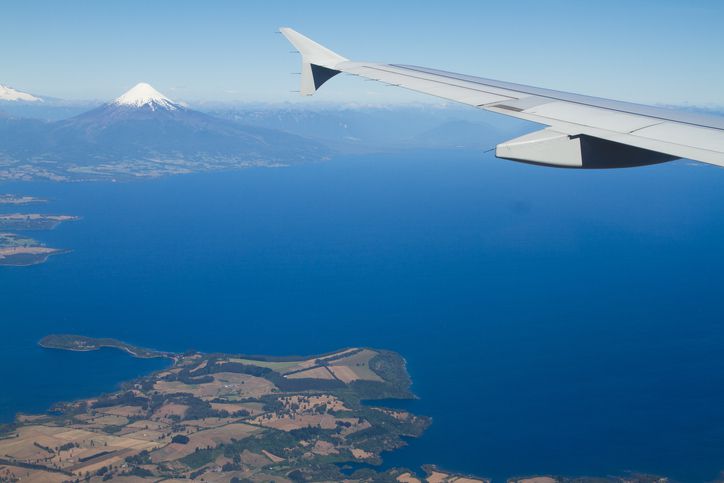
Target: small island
8, 199
233, 418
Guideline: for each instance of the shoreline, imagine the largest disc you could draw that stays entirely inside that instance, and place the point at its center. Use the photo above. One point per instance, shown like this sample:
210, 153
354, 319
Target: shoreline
371, 461
292, 398
78, 343
39, 258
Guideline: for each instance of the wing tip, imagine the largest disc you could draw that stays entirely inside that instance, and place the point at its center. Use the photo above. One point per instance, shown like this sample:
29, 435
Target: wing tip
318, 62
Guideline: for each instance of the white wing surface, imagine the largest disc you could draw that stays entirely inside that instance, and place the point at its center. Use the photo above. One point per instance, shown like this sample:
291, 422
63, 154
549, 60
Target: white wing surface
583, 132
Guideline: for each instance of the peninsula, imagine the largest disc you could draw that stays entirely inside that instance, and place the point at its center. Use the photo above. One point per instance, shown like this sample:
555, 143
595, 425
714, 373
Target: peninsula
33, 221
19, 251
232, 418
8, 199
84, 344
219, 417
22, 251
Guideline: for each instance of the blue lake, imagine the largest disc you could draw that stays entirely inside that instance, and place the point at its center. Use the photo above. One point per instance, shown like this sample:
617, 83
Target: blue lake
554, 321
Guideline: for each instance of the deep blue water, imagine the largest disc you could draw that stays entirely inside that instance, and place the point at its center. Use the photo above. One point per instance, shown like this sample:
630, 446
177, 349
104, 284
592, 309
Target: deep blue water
554, 321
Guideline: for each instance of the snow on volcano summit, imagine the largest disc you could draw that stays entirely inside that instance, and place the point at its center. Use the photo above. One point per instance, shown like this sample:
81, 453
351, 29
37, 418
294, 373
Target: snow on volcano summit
142, 95
10, 94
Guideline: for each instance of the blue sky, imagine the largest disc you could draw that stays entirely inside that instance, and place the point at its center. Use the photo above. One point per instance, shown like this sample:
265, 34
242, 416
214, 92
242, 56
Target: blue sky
664, 51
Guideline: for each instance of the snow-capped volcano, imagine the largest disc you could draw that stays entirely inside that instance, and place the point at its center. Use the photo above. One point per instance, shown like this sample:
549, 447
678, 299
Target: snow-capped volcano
143, 95
143, 125
10, 94
144, 133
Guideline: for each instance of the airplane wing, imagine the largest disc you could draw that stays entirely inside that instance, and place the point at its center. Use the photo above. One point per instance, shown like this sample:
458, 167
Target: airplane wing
583, 132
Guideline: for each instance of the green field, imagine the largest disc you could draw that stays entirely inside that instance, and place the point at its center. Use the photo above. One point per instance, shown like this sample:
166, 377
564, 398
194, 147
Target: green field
275, 366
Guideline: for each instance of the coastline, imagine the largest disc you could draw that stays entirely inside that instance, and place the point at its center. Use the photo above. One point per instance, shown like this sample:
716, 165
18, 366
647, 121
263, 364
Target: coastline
355, 469
276, 397
77, 343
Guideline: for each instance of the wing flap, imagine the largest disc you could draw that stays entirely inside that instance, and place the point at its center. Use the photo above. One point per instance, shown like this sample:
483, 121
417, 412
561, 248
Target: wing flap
686, 135
592, 116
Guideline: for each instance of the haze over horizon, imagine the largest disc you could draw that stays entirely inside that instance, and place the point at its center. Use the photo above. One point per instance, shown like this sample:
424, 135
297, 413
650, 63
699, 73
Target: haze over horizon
229, 52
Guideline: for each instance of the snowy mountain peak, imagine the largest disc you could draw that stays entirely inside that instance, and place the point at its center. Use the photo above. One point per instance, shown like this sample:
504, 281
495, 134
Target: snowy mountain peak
142, 95
10, 94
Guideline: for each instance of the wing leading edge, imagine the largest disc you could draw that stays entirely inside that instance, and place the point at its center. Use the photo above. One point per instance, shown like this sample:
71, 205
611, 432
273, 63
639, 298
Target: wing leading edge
583, 132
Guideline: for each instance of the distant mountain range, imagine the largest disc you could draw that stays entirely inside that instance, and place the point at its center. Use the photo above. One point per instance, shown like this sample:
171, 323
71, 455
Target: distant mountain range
373, 128
142, 133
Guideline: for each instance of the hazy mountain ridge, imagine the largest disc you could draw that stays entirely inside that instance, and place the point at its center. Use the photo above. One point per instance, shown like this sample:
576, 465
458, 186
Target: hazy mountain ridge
132, 133
142, 134
380, 128
146, 134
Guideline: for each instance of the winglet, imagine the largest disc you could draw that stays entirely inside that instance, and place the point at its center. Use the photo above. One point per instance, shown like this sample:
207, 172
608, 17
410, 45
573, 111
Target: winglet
318, 62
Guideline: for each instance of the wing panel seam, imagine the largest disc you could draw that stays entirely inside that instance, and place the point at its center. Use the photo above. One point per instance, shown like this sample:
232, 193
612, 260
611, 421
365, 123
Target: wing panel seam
548, 96
438, 82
